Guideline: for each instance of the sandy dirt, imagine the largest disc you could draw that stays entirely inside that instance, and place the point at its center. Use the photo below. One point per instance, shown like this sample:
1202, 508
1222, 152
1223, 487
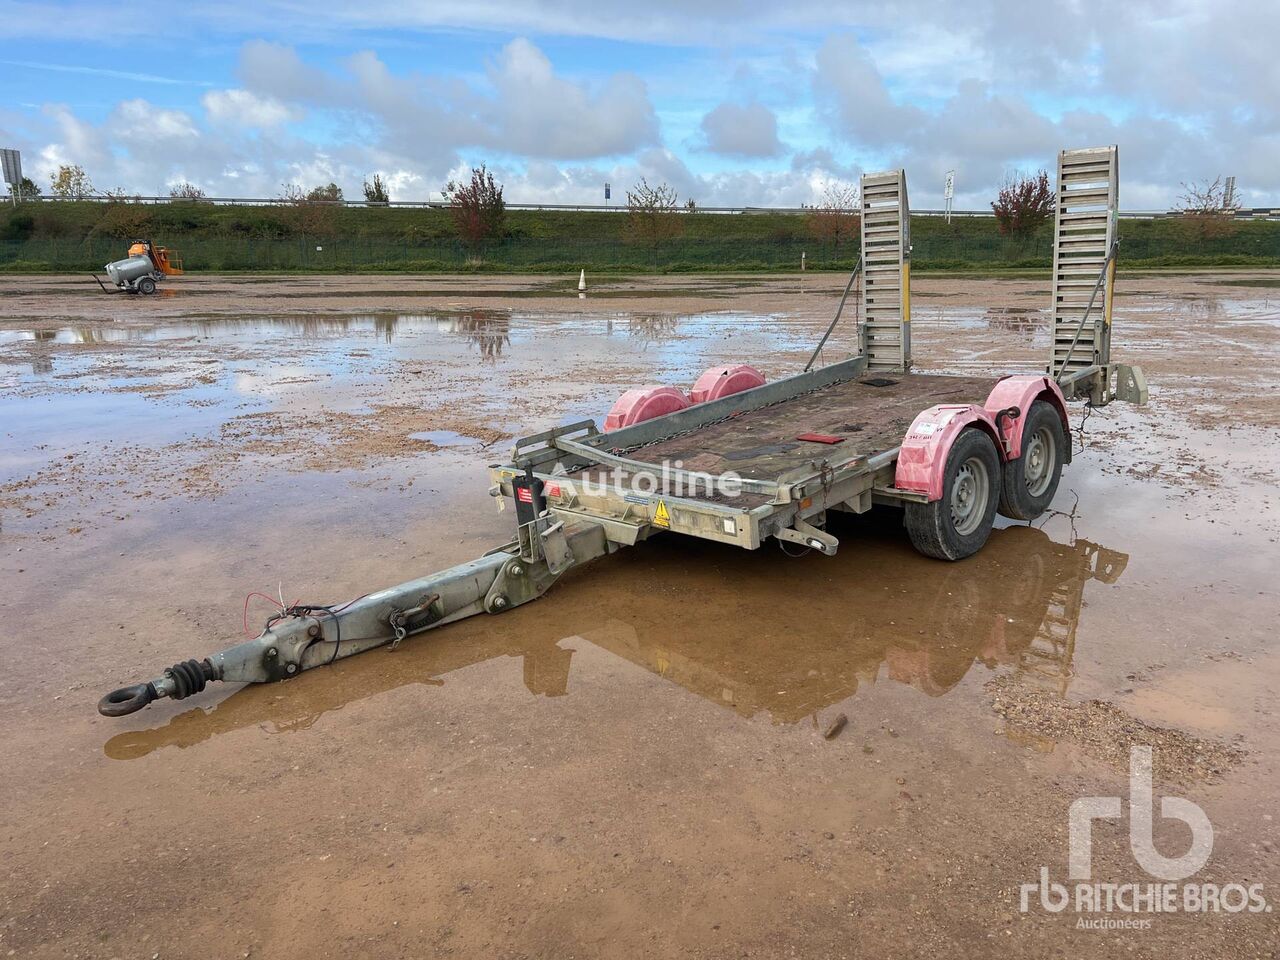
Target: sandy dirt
636, 764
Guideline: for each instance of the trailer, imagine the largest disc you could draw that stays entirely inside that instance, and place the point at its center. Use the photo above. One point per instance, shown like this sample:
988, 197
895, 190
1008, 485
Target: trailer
742, 461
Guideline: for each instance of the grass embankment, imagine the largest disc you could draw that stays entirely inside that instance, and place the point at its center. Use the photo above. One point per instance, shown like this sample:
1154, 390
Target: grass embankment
63, 236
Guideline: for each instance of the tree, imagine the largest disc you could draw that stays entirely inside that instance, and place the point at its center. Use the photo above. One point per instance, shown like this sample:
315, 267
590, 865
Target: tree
1207, 210
375, 190
478, 209
123, 216
653, 213
306, 216
71, 183
836, 218
186, 191
330, 192
1024, 203
27, 190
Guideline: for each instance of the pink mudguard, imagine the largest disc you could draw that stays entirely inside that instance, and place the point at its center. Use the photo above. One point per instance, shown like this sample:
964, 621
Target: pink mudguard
1021, 391
922, 461
644, 403
722, 381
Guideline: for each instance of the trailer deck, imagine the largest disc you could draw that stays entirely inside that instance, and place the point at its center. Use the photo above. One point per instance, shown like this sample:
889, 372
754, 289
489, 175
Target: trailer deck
870, 414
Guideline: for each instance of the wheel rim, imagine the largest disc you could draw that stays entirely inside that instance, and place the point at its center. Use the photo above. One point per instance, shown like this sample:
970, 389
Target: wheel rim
970, 492
1038, 461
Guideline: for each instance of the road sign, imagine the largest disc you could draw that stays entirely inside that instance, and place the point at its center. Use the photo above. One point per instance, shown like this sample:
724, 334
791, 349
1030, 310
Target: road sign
607, 191
11, 161
949, 188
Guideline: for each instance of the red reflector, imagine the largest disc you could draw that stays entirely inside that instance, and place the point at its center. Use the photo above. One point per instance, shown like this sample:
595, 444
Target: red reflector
553, 489
524, 494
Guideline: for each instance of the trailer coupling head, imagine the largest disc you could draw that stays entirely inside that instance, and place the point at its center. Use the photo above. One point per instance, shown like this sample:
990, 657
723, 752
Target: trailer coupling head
178, 682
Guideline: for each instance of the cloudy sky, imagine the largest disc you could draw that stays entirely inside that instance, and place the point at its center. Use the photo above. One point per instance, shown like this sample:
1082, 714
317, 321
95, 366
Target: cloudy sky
733, 103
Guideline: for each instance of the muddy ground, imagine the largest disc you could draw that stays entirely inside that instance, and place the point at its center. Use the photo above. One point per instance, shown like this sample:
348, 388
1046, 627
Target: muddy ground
636, 764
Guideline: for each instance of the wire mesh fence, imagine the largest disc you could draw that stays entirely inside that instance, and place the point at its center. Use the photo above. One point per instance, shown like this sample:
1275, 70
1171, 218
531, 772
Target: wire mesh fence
937, 246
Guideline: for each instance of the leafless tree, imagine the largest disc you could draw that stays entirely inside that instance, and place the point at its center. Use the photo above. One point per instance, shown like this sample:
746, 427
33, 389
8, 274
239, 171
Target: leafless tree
1207, 210
653, 213
306, 216
1206, 196
186, 191
836, 218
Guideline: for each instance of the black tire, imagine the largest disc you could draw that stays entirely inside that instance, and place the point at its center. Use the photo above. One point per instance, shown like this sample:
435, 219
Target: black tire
146, 286
1030, 481
958, 525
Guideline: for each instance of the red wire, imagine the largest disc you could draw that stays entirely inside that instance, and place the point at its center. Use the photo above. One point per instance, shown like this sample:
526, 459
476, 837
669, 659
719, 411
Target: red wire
244, 620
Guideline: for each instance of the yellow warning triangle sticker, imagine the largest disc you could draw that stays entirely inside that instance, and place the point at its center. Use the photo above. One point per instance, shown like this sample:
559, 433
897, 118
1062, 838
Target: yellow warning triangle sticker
661, 518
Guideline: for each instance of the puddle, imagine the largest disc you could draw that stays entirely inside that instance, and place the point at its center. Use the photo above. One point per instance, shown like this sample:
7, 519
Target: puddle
1016, 606
444, 438
209, 395
489, 329
1265, 282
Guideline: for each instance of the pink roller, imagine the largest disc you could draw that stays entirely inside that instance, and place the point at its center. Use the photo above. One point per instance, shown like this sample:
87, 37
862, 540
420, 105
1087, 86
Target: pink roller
644, 403
722, 381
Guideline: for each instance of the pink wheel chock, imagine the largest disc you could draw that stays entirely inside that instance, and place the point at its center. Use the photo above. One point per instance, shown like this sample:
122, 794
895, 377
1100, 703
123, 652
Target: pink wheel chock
720, 382
644, 403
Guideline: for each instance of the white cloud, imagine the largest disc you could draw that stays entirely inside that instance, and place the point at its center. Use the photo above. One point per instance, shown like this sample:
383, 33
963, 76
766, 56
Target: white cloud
276, 70
536, 113
138, 121
1186, 87
243, 108
746, 130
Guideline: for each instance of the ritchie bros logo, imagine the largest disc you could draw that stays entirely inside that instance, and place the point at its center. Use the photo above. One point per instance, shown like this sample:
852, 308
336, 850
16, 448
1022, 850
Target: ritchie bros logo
1138, 901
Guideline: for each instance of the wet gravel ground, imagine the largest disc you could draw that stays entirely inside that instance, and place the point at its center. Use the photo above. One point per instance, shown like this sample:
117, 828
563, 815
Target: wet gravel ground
636, 764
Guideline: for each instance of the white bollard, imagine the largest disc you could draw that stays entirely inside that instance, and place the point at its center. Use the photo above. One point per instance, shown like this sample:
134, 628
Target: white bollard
582, 280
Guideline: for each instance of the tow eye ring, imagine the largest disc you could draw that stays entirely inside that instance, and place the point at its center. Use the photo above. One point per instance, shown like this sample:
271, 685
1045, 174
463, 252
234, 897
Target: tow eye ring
182, 680
126, 700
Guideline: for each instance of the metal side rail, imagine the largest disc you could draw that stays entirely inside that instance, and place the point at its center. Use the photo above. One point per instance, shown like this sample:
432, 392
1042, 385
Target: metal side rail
306, 636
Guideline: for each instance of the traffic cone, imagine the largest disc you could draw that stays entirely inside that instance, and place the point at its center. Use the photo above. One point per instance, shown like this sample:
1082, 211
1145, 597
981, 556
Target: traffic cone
582, 280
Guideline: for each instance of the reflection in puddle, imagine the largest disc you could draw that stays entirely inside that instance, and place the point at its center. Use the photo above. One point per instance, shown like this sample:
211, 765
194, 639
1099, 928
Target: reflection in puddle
1015, 319
820, 630
484, 324
444, 438
652, 328
487, 330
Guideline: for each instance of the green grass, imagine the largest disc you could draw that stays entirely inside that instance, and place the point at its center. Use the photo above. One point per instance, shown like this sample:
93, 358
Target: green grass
71, 237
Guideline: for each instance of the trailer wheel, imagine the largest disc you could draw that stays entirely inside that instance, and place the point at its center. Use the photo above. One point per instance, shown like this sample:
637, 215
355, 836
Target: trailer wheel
958, 525
146, 286
1030, 481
